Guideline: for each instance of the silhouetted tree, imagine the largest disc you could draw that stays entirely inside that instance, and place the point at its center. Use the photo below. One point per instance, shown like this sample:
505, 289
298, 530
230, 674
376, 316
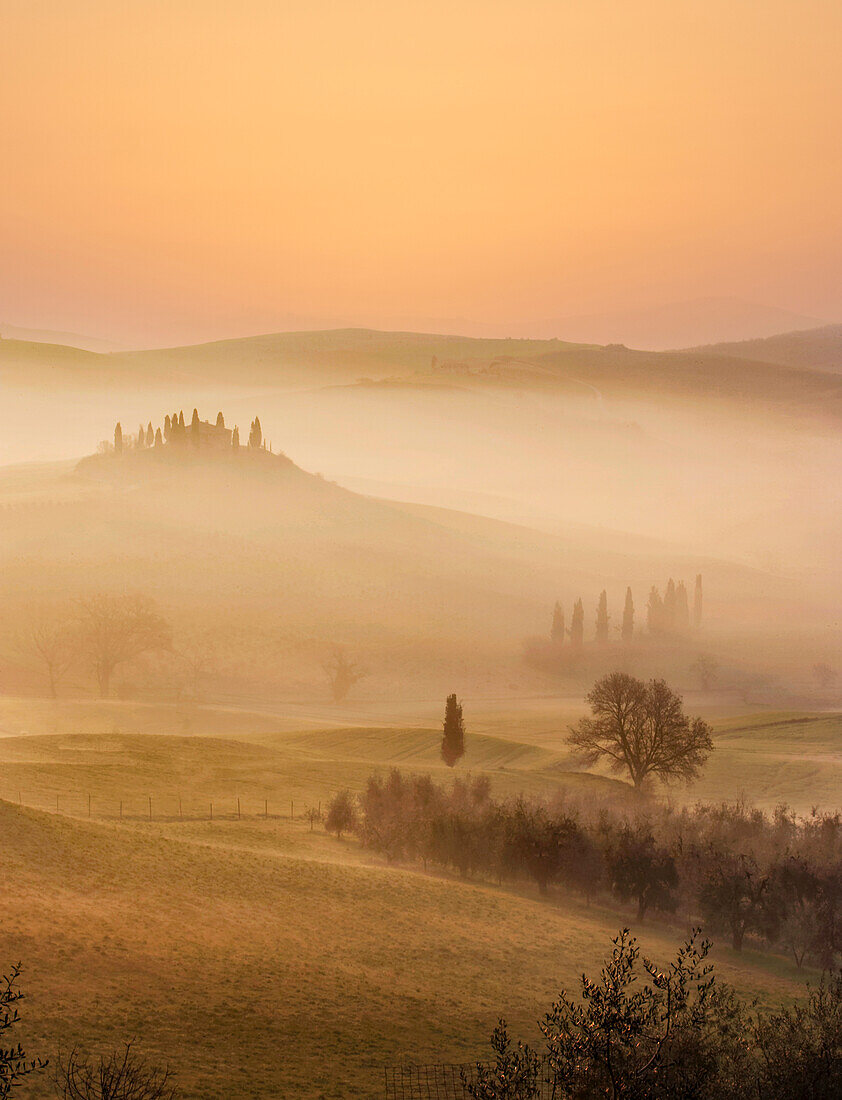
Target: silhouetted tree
235, 439
697, 602
116, 629
194, 428
159, 442
141, 436
453, 737
256, 434
341, 816
557, 628
627, 632
342, 673
602, 618
15, 1066
118, 439
734, 895
167, 428
220, 420
800, 1047
577, 626
150, 434
181, 420
641, 728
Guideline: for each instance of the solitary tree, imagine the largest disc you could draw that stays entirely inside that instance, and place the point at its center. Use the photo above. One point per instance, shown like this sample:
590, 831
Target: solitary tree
627, 632
557, 629
602, 618
577, 625
697, 602
118, 439
116, 629
642, 729
342, 673
117, 1076
453, 737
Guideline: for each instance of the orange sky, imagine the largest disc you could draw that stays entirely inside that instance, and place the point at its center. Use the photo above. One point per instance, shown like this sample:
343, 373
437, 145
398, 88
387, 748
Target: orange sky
180, 169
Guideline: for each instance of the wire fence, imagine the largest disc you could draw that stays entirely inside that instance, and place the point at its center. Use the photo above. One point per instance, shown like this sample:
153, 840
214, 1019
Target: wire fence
447, 1081
163, 806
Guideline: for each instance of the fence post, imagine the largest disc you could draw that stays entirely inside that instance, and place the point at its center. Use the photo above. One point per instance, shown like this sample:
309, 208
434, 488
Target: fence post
211, 811
238, 809
89, 805
150, 807
290, 810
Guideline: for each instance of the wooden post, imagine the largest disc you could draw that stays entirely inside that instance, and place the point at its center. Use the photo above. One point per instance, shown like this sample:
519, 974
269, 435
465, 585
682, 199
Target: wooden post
89, 805
150, 807
290, 810
180, 814
121, 809
211, 816
56, 803
238, 809
266, 808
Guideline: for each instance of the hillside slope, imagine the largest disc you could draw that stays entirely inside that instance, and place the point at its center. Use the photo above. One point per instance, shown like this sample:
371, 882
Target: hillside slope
815, 349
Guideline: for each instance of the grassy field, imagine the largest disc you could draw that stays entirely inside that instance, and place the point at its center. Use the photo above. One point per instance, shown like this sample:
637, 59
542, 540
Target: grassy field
265, 959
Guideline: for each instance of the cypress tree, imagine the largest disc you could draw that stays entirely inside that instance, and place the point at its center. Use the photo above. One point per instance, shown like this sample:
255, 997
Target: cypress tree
627, 632
150, 435
669, 607
220, 420
453, 738
141, 437
181, 421
159, 442
194, 428
682, 609
602, 618
697, 602
167, 428
118, 439
557, 629
577, 625
655, 612
235, 439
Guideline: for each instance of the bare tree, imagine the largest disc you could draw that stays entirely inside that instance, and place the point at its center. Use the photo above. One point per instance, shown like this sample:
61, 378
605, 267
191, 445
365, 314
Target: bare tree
642, 729
342, 673
116, 629
52, 643
118, 1076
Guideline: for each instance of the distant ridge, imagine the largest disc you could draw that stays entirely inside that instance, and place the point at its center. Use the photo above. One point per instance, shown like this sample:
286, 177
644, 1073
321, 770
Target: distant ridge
813, 349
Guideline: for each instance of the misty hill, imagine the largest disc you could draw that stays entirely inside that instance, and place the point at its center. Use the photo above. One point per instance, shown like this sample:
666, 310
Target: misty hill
815, 349
362, 356
278, 565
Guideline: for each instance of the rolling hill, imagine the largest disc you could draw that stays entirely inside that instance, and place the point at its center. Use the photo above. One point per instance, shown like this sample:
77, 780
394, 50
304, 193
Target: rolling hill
815, 349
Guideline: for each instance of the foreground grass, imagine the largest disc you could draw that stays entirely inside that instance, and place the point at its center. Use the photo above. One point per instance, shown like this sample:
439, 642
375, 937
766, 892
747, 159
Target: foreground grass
264, 960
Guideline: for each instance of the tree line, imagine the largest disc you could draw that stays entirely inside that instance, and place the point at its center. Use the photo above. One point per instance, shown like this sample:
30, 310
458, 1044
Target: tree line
772, 880
175, 431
